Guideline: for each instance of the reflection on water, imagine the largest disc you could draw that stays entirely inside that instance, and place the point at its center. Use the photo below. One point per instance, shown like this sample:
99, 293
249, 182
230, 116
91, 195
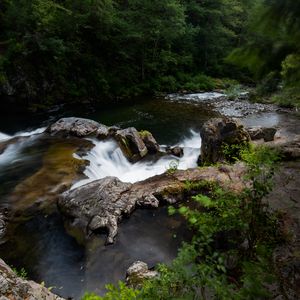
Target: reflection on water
43, 248
270, 119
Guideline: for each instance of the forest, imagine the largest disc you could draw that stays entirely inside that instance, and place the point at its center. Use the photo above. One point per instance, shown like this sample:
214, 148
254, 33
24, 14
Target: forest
150, 149
58, 51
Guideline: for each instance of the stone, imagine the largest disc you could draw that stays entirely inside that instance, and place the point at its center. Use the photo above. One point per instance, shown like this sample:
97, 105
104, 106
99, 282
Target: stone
137, 273
218, 132
149, 141
176, 151
258, 132
78, 127
131, 144
101, 204
16, 288
98, 205
3, 220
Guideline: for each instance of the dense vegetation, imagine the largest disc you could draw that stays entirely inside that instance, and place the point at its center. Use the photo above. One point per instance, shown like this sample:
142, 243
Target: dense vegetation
230, 255
52, 51
272, 49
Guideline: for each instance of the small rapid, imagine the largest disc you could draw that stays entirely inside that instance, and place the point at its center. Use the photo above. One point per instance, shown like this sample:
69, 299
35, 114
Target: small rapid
12, 151
107, 159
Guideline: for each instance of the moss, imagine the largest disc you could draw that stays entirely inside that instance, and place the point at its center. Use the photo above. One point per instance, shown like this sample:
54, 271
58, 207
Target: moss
144, 133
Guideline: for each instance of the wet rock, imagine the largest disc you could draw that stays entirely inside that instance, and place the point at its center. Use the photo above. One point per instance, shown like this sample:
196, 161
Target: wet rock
3, 220
150, 142
219, 132
78, 127
113, 130
137, 273
131, 144
59, 170
176, 151
257, 133
13, 287
98, 205
102, 204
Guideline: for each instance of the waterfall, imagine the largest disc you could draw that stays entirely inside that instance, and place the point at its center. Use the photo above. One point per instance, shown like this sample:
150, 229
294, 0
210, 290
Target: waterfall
107, 159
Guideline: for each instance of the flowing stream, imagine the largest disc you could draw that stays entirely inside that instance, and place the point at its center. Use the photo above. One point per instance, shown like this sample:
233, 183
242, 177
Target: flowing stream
107, 159
40, 243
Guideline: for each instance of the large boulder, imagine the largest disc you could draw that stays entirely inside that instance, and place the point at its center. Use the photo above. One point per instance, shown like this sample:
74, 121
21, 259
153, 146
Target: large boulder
13, 287
176, 151
258, 132
218, 132
102, 204
131, 144
78, 127
149, 141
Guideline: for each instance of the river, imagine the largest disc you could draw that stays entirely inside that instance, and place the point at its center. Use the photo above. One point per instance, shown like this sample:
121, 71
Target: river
37, 239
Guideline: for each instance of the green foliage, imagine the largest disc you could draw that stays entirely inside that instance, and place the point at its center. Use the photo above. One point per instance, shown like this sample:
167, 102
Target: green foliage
20, 272
122, 292
52, 50
233, 152
272, 45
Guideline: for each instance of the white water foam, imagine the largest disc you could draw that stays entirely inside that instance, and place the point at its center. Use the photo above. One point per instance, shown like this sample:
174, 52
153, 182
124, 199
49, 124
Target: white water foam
4, 136
196, 96
107, 159
11, 153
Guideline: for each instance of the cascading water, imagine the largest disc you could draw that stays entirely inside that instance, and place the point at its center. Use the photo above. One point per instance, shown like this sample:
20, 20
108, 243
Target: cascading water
4, 136
107, 159
11, 152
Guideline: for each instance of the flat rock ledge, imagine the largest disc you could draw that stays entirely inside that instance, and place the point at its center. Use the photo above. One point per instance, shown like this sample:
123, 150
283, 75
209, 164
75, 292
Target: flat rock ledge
13, 287
101, 204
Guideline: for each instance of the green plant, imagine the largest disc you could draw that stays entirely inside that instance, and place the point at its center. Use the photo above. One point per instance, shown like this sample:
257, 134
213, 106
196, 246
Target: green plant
172, 167
121, 292
233, 152
20, 272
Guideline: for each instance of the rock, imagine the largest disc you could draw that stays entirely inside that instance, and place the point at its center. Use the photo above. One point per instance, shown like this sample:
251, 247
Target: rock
258, 132
131, 144
219, 132
290, 150
284, 201
137, 273
78, 127
176, 151
98, 205
13, 287
149, 141
3, 220
113, 130
102, 204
